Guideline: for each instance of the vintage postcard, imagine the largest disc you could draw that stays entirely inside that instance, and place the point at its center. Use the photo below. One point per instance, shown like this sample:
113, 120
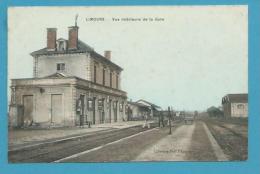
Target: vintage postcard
127, 83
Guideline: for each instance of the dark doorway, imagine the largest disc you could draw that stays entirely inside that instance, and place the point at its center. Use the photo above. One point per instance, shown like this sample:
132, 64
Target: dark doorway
101, 110
82, 106
94, 110
115, 110
28, 110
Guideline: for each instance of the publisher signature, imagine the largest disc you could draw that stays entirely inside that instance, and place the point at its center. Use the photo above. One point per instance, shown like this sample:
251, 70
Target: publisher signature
171, 151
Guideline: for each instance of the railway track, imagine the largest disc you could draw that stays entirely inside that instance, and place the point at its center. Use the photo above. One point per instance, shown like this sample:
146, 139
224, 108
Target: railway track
232, 131
235, 133
50, 152
231, 141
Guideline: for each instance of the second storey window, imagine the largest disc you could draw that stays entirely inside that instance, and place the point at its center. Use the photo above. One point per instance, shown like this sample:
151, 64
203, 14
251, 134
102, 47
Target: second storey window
110, 79
117, 81
60, 66
104, 76
240, 106
95, 74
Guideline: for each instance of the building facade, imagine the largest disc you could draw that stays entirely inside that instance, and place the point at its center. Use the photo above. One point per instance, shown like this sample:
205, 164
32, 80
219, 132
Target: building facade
71, 85
235, 105
137, 111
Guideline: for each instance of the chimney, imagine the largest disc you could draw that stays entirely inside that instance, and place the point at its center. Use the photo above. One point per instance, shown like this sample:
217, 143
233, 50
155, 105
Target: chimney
107, 55
73, 38
51, 39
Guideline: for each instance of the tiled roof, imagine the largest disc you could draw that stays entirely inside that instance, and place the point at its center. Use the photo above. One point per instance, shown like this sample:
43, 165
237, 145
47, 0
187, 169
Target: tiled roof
155, 106
137, 104
237, 98
57, 75
103, 59
82, 48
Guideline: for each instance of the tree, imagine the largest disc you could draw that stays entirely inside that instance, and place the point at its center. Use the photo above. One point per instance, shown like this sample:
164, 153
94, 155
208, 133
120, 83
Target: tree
196, 113
215, 112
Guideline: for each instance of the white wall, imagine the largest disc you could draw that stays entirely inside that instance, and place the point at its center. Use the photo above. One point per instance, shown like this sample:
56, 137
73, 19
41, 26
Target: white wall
75, 65
239, 112
42, 103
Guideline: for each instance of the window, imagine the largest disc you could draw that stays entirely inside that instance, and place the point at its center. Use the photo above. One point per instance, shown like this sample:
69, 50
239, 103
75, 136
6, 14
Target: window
104, 76
61, 45
121, 107
240, 106
126, 109
110, 79
117, 81
95, 74
101, 104
115, 105
90, 104
60, 66
80, 105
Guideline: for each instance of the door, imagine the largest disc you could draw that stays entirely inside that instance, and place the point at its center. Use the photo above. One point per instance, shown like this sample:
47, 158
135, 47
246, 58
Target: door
110, 102
101, 110
27, 118
57, 109
102, 116
115, 111
82, 108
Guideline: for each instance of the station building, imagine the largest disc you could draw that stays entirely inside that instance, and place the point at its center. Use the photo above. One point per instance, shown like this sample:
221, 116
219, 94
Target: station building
141, 110
72, 85
235, 105
154, 109
137, 111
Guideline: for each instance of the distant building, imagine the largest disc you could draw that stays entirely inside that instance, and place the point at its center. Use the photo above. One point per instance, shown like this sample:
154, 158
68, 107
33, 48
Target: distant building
235, 105
154, 108
137, 111
72, 85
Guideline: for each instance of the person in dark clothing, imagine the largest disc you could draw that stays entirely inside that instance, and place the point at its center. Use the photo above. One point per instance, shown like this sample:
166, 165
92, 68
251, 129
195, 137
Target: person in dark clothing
161, 120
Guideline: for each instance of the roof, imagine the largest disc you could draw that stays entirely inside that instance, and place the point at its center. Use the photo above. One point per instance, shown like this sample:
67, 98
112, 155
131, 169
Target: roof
137, 104
101, 58
236, 98
60, 78
57, 75
155, 106
82, 48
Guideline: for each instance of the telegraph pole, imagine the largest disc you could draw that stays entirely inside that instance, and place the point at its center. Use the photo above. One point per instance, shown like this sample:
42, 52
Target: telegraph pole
170, 122
76, 19
172, 112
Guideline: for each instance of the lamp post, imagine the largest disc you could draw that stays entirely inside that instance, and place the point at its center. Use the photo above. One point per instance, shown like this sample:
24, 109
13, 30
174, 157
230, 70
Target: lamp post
170, 122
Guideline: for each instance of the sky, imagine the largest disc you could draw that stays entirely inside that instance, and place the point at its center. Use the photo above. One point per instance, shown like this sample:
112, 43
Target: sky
189, 58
